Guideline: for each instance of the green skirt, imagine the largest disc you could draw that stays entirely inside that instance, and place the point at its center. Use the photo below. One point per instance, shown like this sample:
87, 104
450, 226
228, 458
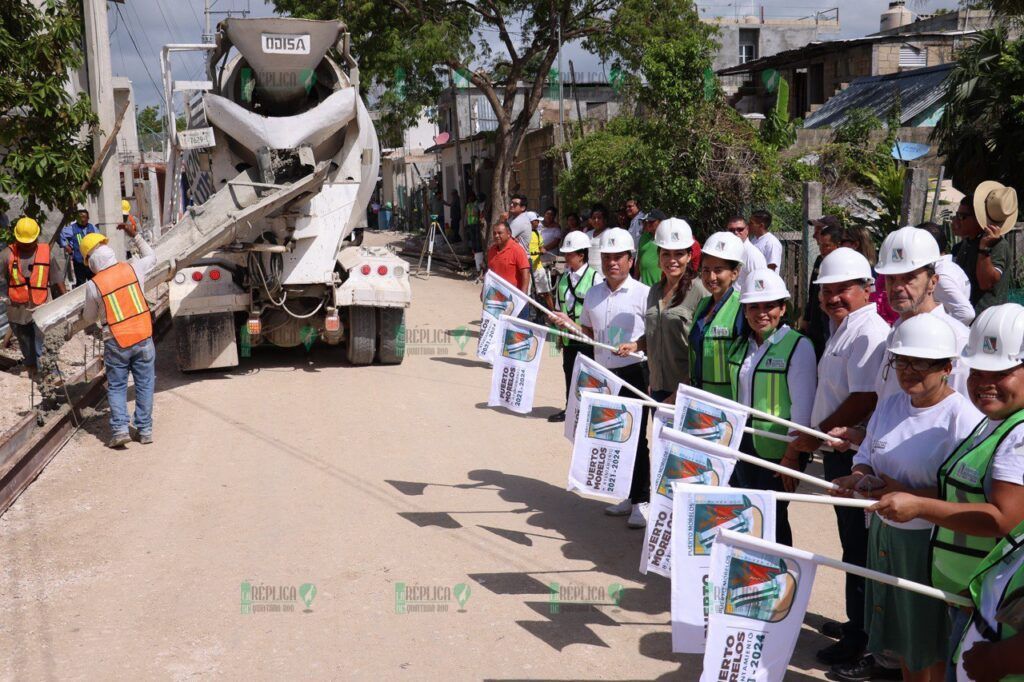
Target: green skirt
899, 622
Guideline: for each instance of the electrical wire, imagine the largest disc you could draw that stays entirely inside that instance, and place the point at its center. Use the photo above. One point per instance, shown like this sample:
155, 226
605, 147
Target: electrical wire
159, 91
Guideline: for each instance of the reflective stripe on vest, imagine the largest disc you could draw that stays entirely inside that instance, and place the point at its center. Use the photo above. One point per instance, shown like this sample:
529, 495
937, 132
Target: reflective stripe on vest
956, 556
580, 291
126, 307
718, 339
769, 389
36, 290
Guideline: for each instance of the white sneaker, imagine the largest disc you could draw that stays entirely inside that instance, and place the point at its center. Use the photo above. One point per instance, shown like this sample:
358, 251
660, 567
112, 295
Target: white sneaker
637, 518
621, 509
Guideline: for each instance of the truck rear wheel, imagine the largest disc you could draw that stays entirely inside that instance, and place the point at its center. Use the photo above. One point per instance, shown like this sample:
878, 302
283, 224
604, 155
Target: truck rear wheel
391, 349
362, 335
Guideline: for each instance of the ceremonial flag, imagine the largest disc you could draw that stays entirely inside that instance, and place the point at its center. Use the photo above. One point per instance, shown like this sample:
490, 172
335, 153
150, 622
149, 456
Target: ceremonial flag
500, 298
699, 512
718, 423
758, 601
514, 376
587, 375
676, 456
604, 449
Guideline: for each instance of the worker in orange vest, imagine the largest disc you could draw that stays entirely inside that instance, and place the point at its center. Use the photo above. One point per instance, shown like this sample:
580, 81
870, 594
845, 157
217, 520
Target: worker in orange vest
114, 299
27, 271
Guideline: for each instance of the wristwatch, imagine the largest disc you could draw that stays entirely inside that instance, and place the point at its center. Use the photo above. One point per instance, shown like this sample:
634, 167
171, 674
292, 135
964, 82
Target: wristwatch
985, 251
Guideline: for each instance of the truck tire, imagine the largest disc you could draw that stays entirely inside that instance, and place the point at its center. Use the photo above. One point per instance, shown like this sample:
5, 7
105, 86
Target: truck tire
362, 335
391, 349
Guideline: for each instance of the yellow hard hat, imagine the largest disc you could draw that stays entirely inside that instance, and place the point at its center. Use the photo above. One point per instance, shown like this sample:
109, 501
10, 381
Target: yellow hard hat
90, 242
26, 231
126, 207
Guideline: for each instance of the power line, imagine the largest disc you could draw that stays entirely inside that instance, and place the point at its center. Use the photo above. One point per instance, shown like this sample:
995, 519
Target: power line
157, 88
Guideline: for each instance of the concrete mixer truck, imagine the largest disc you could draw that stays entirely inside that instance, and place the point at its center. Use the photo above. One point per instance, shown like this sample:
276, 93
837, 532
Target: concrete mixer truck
279, 161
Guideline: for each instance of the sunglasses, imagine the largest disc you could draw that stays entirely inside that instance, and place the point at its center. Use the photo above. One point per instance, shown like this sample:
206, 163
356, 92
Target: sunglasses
899, 362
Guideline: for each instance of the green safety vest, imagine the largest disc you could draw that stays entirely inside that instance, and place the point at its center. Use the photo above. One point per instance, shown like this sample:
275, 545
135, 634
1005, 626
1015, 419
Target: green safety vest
718, 339
1005, 555
472, 217
579, 291
955, 556
769, 390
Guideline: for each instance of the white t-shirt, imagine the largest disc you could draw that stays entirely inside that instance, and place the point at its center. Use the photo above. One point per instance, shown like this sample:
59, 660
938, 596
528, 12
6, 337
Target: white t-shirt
1008, 461
770, 247
888, 384
954, 290
616, 317
548, 235
850, 361
910, 443
801, 376
753, 259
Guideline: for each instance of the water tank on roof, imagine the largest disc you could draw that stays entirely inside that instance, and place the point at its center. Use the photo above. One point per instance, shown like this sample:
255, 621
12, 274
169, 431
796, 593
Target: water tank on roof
897, 15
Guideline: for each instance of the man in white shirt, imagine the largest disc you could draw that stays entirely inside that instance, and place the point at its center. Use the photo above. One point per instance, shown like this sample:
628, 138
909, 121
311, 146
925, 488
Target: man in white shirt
753, 259
613, 314
953, 291
766, 242
636, 219
846, 396
907, 259
519, 221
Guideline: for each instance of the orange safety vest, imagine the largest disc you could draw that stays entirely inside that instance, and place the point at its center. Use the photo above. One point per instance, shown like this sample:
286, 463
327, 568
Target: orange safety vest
37, 289
127, 310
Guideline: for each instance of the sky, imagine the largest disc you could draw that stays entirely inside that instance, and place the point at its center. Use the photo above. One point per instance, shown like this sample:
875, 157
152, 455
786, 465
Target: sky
140, 27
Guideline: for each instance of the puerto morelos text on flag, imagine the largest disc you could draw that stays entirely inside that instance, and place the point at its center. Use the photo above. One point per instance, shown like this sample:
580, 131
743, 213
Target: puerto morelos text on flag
699, 513
718, 423
675, 456
587, 375
604, 449
758, 601
516, 364
500, 298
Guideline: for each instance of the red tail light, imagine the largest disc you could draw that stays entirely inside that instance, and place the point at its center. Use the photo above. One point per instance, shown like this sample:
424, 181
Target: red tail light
382, 270
365, 269
214, 274
197, 276
332, 322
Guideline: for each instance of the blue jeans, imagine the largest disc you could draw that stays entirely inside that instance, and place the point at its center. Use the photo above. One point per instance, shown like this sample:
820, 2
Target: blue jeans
958, 618
384, 219
140, 361
30, 342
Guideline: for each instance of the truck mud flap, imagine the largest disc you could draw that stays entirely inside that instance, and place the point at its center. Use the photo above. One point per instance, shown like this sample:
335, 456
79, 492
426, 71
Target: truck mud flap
206, 341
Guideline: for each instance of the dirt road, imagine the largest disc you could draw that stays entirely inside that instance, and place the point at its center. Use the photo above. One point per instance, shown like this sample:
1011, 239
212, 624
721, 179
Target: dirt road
195, 556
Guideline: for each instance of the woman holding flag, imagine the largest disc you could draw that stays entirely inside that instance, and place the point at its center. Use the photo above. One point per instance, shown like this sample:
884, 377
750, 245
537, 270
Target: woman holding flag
671, 305
718, 319
980, 495
772, 368
907, 439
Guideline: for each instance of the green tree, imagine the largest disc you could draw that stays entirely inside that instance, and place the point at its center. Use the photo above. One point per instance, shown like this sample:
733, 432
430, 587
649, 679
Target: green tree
506, 48
45, 154
149, 120
982, 129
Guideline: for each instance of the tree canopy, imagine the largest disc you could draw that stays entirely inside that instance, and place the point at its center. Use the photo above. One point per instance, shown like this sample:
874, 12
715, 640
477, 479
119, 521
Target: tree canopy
45, 153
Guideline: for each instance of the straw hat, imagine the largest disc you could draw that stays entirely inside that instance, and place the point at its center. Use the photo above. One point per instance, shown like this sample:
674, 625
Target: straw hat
995, 204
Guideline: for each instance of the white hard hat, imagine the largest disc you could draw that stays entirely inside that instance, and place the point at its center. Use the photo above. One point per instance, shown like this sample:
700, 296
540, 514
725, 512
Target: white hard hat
906, 250
843, 265
724, 245
924, 336
575, 241
997, 338
673, 233
763, 284
615, 240
531, 216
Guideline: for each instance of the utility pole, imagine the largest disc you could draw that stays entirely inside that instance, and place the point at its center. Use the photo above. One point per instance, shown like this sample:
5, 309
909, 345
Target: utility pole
105, 206
208, 11
460, 176
561, 96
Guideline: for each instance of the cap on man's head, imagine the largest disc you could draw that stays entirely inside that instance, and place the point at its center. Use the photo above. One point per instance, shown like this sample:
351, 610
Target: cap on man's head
826, 221
655, 214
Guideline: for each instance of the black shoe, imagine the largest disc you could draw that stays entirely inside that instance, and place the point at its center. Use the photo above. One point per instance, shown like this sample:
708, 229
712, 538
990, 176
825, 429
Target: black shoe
832, 628
846, 650
861, 671
557, 417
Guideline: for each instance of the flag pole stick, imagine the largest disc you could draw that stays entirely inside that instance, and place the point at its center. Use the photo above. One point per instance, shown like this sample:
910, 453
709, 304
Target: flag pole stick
825, 499
742, 539
569, 335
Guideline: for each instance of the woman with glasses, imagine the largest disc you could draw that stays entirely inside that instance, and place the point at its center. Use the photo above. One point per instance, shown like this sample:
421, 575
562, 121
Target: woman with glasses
717, 321
905, 443
772, 368
980, 493
671, 306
